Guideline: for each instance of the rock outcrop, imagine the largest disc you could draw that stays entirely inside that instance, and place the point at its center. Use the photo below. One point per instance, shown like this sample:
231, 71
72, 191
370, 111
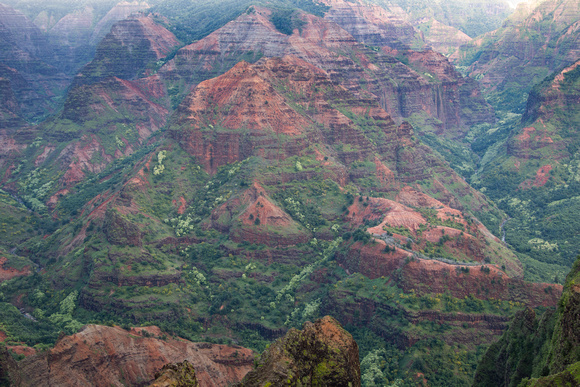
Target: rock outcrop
104, 356
321, 354
176, 375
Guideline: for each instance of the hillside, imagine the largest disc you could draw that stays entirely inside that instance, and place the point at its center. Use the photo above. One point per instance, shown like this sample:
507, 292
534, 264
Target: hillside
213, 229
532, 173
538, 350
285, 165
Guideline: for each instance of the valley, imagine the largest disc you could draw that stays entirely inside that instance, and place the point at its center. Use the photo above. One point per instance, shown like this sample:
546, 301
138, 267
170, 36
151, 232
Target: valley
186, 181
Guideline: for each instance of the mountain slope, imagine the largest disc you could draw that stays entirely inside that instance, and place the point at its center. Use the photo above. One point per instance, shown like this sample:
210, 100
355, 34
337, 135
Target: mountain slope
25, 59
533, 173
248, 225
257, 179
428, 90
543, 348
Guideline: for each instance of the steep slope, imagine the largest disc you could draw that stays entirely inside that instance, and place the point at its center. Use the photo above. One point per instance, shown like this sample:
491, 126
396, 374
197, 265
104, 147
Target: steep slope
126, 51
373, 25
403, 91
9, 111
441, 37
120, 11
101, 121
74, 29
281, 101
533, 174
472, 17
278, 191
251, 215
25, 60
511, 59
15, 133
544, 348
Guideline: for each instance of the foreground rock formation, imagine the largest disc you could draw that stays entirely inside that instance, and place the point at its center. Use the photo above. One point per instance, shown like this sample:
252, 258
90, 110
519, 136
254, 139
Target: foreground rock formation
110, 356
176, 375
321, 354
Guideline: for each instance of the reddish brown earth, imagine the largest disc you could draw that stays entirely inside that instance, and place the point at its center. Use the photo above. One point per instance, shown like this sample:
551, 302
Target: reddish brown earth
526, 145
239, 215
434, 277
325, 44
469, 243
105, 356
373, 25
22, 350
7, 273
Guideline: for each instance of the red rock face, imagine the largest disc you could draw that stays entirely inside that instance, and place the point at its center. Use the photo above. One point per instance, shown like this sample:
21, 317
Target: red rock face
104, 356
7, 273
373, 25
433, 277
259, 110
253, 217
324, 44
468, 243
241, 113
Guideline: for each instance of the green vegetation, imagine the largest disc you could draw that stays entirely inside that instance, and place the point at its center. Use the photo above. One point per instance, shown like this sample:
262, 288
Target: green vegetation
193, 21
286, 21
537, 350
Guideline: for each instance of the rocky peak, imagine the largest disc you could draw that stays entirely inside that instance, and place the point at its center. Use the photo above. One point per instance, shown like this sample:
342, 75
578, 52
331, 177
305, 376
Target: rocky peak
127, 49
328, 46
120, 11
321, 354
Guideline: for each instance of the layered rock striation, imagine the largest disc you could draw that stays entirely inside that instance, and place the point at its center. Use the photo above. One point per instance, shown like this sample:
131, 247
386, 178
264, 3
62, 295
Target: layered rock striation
101, 355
